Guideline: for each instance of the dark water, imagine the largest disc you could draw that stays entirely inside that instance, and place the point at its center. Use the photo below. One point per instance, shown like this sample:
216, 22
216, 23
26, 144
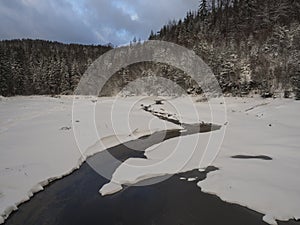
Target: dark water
262, 157
75, 200
136, 148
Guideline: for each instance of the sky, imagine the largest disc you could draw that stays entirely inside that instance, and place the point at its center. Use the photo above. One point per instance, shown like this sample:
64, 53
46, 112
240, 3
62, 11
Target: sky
88, 21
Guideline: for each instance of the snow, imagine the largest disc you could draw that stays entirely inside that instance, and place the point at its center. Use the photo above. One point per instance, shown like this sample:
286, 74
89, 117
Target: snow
269, 187
269, 220
192, 179
170, 157
113, 121
34, 149
110, 188
180, 154
254, 127
31, 147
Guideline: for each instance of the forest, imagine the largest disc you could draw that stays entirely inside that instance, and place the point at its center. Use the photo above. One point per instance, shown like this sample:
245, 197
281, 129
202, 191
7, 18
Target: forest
37, 67
252, 46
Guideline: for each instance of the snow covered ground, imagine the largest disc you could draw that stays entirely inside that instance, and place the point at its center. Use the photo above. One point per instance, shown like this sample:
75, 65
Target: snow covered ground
37, 145
272, 187
254, 127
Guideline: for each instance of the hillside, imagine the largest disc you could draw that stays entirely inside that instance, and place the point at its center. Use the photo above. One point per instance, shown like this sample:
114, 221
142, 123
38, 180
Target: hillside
251, 45
38, 67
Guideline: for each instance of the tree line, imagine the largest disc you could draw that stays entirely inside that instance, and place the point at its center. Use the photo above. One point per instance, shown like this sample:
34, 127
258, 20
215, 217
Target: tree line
37, 67
251, 45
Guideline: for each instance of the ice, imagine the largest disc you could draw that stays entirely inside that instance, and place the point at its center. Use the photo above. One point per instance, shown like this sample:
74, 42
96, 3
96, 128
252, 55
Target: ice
270, 220
175, 155
35, 150
110, 188
192, 179
254, 127
269, 187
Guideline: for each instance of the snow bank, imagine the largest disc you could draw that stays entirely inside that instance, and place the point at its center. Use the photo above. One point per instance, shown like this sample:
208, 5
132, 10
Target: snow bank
255, 127
175, 155
261, 127
192, 179
37, 143
33, 148
110, 188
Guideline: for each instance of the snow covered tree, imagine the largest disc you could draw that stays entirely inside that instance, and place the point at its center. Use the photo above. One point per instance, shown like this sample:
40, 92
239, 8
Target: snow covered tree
4, 74
35, 66
203, 11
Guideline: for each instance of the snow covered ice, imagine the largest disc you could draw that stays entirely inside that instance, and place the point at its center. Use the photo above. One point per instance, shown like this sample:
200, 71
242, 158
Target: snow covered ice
271, 187
255, 127
37, 145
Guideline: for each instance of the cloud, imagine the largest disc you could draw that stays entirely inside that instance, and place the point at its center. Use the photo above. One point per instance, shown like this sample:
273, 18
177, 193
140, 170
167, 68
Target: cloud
88, 21
40, 19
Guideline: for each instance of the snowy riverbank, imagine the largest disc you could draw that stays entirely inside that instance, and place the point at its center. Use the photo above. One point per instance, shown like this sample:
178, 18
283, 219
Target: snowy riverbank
37, 145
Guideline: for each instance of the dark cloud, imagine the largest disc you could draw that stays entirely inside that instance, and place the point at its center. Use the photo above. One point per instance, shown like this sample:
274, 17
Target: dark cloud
88, 21
53, 20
